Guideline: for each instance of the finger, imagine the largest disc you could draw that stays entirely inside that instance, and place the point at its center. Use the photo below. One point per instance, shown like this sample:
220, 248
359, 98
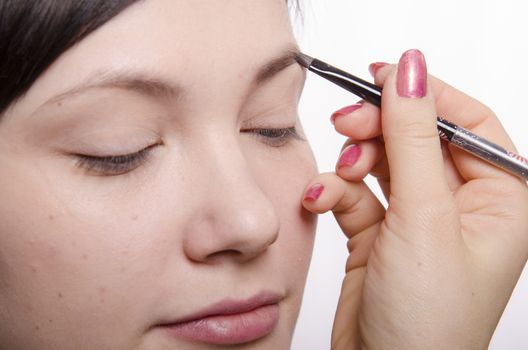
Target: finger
354, 205
380, 171
410, 133
453, 176
359, 215
358, 159
360, 245
345, 332
361, 121
470, 114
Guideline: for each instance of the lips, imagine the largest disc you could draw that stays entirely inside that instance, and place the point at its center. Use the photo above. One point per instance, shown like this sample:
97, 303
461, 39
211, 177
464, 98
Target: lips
229, 322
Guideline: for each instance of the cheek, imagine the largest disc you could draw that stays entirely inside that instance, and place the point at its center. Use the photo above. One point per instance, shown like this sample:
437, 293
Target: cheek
284, 182
68, 257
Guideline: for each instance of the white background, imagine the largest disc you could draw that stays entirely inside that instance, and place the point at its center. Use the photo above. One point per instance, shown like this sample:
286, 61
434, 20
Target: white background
480, 47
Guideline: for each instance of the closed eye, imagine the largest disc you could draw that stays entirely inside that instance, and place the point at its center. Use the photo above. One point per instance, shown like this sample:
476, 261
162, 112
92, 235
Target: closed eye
112, 165
275, 137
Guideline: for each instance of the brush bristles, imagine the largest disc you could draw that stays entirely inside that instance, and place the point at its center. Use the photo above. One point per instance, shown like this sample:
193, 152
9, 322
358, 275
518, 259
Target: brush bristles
304, 60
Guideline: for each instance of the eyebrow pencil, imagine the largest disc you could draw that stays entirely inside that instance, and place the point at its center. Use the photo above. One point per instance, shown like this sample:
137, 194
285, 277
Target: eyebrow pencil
447, 131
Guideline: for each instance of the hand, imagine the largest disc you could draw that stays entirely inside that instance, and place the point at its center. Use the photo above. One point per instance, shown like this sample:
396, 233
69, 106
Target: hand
437, 267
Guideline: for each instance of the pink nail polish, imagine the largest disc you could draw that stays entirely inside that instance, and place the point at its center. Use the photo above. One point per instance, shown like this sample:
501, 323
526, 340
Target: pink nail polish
314, 192
345, 111
374, 67
412, 75
349, 156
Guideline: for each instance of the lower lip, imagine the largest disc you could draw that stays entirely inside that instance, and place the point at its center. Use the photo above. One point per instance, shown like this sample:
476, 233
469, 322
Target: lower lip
229, 329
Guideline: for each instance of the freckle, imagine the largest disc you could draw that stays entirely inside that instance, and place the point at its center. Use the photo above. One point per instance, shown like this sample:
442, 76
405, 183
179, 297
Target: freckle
33, 268
37, 327
59, 295
50, 321
85, 256
101, 301
51, 217
124, 252
52, 252
59, 104
123, 269
135, 217
102, 290
419, 264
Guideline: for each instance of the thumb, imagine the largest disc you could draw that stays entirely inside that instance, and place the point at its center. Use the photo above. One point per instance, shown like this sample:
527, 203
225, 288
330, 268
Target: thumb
412, 144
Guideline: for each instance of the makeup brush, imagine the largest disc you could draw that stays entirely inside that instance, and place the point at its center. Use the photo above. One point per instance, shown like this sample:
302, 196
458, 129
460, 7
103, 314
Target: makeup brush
447, 131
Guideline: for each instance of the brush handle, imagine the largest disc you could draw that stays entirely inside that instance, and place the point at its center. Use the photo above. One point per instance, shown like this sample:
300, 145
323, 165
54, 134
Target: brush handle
482, 148
452, 133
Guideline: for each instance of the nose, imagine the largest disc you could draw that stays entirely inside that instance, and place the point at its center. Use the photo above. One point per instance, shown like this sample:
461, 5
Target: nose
234, 217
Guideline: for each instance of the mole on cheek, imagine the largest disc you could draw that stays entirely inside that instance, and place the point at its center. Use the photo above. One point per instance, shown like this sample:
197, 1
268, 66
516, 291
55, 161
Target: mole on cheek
102, 291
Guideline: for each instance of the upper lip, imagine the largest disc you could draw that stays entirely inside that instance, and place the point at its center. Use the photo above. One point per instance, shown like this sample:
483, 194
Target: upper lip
229, 307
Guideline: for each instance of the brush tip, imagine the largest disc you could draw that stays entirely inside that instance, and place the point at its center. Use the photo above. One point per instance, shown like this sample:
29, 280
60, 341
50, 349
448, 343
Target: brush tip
304, 60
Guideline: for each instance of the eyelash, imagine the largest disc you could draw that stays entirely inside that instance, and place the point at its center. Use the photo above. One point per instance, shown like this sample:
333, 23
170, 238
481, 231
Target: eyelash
275, 137
120, 164
113, 165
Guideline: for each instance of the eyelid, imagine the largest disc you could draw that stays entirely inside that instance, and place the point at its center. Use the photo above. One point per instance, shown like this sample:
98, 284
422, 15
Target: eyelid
278, 132
113, 165
275, 137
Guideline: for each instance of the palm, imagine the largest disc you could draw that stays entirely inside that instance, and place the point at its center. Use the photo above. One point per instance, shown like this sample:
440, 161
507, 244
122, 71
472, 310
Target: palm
403, 281
436, 268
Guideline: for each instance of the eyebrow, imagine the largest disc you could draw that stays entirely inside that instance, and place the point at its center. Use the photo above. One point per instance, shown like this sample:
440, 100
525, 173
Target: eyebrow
125, 80
290, 57
152, 86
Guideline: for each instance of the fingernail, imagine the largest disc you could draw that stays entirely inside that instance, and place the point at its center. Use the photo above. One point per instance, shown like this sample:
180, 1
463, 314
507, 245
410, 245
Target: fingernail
314, 192
412, 75
349, 156
374, 67
345, 111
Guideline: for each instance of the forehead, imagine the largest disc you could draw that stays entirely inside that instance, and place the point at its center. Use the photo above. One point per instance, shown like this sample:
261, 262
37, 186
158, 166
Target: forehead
183, 40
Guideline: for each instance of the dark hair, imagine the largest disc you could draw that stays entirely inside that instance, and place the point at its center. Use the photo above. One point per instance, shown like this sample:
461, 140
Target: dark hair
34, 33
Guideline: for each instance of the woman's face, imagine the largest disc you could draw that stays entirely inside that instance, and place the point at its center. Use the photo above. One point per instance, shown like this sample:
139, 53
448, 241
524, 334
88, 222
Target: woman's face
199, 218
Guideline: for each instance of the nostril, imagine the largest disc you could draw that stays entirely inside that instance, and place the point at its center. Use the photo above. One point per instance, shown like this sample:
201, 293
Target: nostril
227, 252
248, 233
233, 255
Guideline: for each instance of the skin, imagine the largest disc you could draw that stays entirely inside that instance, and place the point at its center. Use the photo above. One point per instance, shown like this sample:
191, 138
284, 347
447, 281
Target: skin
90, 260
436, 268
